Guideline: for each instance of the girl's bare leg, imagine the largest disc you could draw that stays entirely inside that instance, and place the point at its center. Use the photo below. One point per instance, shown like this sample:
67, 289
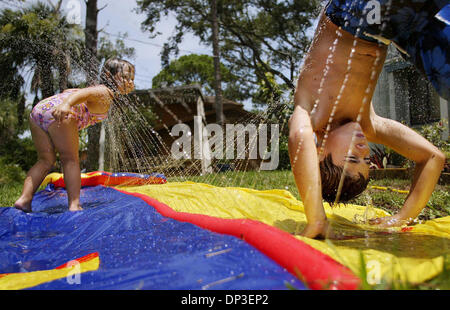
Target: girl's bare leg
37, 173
65, 138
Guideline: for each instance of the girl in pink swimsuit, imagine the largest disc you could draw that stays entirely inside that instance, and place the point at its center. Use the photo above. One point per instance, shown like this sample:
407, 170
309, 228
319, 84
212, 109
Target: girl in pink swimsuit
42, 112
55, 122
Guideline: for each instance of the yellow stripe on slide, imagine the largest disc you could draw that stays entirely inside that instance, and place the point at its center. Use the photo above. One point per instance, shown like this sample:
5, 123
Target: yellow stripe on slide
412, 253
18, 281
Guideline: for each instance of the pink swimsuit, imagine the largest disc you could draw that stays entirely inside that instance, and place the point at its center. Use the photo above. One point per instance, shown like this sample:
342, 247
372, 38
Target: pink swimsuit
42, 112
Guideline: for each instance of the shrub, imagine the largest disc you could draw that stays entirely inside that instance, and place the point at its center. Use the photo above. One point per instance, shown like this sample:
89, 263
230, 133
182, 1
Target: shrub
284, 163
20, 152
433, 133
10, 172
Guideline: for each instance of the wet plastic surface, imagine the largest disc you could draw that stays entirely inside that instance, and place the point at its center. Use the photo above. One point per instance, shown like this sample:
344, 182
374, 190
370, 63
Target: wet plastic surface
138, 248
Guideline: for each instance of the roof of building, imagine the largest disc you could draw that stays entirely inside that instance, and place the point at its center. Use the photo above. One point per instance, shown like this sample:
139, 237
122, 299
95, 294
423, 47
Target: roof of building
179, 104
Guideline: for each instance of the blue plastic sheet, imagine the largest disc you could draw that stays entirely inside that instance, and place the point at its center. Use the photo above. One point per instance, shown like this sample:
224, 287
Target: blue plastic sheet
138, 248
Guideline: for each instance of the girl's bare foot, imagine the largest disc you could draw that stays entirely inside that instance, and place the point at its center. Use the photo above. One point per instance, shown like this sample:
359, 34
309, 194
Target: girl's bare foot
75, 208
23, 205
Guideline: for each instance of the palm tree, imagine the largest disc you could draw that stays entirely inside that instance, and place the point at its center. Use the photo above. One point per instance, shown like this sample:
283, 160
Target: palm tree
40, 38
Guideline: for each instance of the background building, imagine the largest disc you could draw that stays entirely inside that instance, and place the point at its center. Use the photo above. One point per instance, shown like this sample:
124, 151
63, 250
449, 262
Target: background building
403, 94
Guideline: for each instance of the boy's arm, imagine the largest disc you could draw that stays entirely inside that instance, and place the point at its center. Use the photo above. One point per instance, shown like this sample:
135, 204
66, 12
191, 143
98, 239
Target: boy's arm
429, 164
305, 167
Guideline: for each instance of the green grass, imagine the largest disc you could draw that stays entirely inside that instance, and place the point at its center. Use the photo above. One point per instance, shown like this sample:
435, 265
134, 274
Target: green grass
438, 205
9, 193
251, 179
391, 201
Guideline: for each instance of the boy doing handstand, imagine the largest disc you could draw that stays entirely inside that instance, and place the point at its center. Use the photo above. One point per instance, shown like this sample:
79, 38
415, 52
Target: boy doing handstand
333, 118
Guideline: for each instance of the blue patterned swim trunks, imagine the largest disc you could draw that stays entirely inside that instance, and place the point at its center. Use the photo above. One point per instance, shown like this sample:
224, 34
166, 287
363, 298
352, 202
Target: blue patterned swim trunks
420, 29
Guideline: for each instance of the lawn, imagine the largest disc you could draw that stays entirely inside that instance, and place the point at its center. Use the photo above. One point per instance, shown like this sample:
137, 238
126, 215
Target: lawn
9, 193
389, 200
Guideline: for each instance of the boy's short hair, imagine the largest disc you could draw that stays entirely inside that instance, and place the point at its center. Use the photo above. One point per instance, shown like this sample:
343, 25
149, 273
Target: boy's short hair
110, 68
331, 176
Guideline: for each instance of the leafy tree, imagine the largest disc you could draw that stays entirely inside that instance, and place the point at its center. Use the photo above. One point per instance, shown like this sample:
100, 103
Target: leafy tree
257, 36
198, 69
12, 149
268, 89
12, 81
38, 39
108, 49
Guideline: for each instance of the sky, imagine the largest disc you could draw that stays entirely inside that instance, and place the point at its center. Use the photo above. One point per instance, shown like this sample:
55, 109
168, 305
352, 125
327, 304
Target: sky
119, 17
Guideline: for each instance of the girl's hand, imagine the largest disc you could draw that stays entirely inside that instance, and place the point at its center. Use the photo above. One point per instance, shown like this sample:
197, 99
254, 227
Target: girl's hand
62, 112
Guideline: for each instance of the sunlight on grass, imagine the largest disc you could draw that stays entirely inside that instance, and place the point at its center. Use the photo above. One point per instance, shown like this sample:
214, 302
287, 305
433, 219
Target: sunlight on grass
9, 194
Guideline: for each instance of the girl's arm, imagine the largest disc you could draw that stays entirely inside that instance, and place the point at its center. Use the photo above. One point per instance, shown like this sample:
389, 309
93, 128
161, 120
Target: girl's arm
305, 167
429, 164
98, 98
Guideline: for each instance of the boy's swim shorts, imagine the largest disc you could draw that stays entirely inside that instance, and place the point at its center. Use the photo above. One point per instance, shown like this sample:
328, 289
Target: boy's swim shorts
420, 29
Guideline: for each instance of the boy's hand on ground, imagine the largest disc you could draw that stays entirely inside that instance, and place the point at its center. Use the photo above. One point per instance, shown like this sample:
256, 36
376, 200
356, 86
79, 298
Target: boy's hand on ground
323, 230
318, 230
389, 221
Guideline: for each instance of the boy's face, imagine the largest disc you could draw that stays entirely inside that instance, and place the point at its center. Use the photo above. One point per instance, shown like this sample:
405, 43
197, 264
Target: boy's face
339, 144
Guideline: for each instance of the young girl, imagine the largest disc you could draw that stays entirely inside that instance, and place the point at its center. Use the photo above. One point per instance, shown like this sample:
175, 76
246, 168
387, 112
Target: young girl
55, 123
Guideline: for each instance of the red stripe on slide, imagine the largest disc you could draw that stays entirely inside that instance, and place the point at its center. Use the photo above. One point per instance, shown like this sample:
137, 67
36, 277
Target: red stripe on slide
80, 260
316, 269
108, 179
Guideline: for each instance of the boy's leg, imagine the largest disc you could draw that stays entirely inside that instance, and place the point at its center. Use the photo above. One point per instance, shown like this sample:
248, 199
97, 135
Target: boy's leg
413, 25
37, 173
393, 20
65, 138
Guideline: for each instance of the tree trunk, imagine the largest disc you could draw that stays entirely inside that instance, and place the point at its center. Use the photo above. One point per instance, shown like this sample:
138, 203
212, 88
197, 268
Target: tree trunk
216, 53
46, 77
21, 111
91, 63
47, 85
91, 37
63, 69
